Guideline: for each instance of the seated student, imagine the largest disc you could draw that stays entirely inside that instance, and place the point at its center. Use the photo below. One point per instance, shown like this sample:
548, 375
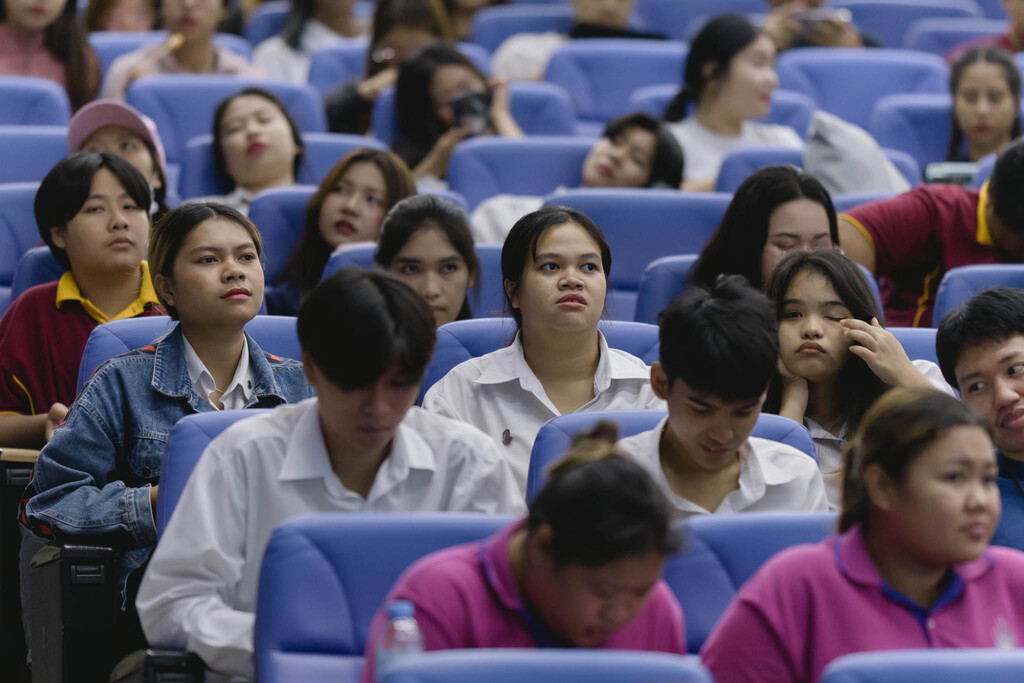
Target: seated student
555, 267
634, 151
256, 146
401, 28
359, 446
426, 243
525, 56
348, 207
116, 128
981, 351
728, 80
808, 23
427, 127
583, 569
120, 15
909, 568
311, 25
188, 49
91, 212
910, 241
718, 354
835, 357
1011, 41
985, 85
774, 211
97, 477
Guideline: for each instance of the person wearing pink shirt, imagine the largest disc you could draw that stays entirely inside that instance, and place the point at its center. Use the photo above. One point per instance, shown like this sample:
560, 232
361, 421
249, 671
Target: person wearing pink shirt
911, 567
582, 570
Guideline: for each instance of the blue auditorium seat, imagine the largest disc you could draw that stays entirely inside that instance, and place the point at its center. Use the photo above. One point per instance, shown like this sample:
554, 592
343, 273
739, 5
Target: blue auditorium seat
267, 20
555, 437
918, 342
109, 45
642, 225
888, 21
280, 214
532, 166
953, 665
723, 551
25, 100
492, 25
848, 81
940, 35
18, 233
851, 200
960, 284
918, 124
538, 108
487, 301
186, 442
601, 74
35, 267
275, 334
29, 152
324, 576
740, 163
547, 666
321, 151
182, 105
985, 166
674, 16
462, 340
789, 108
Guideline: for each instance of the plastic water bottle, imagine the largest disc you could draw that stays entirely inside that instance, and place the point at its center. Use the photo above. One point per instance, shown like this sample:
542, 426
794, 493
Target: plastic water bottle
400, 637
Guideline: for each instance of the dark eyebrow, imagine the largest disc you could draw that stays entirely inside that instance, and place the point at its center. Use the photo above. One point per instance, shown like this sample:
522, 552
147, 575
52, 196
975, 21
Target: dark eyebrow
1013, 355
794, 236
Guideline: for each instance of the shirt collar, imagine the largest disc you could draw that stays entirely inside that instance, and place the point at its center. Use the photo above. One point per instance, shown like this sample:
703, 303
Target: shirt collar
67, 290
984, 234
239, 389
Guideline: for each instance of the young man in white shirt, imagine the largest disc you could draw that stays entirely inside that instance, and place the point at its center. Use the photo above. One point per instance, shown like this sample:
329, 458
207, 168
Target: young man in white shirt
719, 349
360, 445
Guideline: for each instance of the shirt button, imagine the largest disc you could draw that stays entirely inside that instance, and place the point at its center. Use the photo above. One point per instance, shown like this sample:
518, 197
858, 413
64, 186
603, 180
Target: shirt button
146, 471
931, 623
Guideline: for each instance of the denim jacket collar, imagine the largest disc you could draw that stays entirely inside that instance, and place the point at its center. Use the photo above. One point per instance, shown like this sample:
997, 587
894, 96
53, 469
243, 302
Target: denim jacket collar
170, 373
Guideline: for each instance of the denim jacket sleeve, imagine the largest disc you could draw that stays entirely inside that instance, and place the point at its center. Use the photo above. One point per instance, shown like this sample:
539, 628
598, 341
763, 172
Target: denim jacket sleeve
94, 476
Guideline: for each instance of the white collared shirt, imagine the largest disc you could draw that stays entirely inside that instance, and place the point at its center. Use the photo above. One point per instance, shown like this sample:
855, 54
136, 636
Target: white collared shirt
199, 591
773, 477
499, 394
279, 62
238, 391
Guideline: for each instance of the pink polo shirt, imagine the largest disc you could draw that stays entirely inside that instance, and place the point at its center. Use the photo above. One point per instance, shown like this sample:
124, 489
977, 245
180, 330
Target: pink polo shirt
813, 603
466, 597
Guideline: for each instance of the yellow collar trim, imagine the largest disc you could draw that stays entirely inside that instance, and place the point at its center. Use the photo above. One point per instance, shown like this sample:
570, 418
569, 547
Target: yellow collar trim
984, 235
67, 290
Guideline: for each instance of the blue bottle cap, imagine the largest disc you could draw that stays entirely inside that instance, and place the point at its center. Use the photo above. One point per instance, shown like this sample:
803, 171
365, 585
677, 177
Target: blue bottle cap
401, 608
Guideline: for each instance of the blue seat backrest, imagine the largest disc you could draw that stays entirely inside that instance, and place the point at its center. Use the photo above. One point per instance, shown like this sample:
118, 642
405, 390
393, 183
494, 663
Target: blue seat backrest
493, 25
888, 21
182, 106
672, 16
985, 166
321, 151
555, 437
740, 163
538, 108
918, 342
662, 281
462, 340
18, 232
25, 100
722, 551
848, 81
35, 267
851, 200
280, 214
29, 152
547, 666
275, 334
960, 284
324, 576
267, 20
485, 167
940, 35
918, 124
601, 74
109, 45
186, 442
992, 665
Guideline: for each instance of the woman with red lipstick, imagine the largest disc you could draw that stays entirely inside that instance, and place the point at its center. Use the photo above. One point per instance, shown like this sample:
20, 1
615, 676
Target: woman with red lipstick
910, 568
835, 357
582, 570
728, 81
986, 87
98, 476
256, 146
43, 38
555, 266
348, 207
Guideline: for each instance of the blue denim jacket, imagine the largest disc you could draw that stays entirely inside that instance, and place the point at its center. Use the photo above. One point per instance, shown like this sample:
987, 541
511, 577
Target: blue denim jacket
93, 478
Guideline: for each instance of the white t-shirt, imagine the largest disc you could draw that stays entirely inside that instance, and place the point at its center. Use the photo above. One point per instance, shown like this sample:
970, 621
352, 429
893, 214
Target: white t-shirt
525, 56
279, 62
500, 394
199, 591
492, 220
773, 477
703, 150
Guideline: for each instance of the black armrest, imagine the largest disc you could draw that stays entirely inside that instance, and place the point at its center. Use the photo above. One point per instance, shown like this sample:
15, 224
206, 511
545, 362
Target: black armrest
15, 470
159, 666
